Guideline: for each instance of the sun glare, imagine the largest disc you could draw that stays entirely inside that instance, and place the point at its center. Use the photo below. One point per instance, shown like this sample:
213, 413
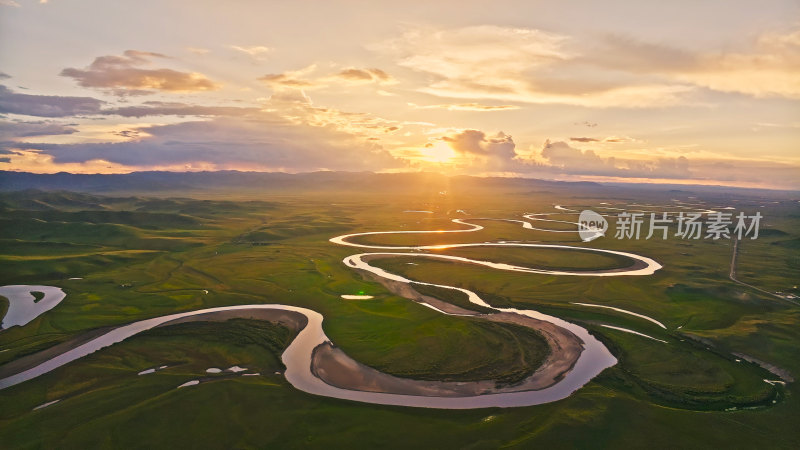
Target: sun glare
439, 152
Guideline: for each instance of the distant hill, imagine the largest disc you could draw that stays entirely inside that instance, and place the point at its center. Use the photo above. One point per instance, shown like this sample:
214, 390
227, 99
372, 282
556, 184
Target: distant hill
176, 183
250, 181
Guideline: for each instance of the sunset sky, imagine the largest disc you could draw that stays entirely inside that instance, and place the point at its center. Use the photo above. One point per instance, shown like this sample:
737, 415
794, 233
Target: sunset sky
671, 92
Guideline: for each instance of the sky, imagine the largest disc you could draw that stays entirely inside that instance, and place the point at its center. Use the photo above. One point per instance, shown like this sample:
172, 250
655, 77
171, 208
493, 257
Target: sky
679, 92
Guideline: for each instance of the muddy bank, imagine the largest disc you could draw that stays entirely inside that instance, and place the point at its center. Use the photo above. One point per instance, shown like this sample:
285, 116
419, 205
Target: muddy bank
290, 319
333, 366
26, 362
406, 290
784, 374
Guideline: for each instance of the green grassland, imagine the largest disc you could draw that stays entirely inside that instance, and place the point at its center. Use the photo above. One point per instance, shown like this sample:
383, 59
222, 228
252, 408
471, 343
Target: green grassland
144, 257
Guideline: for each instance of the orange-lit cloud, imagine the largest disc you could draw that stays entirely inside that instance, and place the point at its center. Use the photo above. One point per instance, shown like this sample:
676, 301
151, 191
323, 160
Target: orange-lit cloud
291, 79
38, 162
466, 107
303, 78
365, 75
125, 75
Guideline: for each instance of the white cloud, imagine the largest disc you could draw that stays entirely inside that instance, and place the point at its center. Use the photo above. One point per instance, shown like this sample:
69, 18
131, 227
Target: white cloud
519, 65
534, 66
770, 69
765, 67
255, 51
465, 107
295, 106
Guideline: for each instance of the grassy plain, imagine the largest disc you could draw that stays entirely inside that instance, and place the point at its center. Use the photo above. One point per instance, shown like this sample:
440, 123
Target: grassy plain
140, 257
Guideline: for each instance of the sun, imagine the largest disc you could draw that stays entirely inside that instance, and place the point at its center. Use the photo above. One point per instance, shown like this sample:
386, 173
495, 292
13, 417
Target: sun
439, 152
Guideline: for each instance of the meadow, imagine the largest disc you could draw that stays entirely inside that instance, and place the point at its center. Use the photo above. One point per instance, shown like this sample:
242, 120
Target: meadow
129, 257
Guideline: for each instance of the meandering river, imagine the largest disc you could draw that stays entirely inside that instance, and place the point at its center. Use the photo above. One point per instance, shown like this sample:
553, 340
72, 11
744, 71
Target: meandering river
560, 375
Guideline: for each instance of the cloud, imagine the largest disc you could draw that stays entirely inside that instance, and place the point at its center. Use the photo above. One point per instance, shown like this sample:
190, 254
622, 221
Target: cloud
476, 142
267, 142
769, 71
747, 171
125, 75
10, 130
303, 79
46, 105
560, 157
476, 150
198, 50
483, 153
479, 152
290, 79
289, 133
619, 139
625, 53
128, 134
519, 65
58, 106
255, 51
365, 76
765, 67
154, 108
466, 107
534, 66
610, 139
296, 107
10, 3
4, 76
284, 80
468, 141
